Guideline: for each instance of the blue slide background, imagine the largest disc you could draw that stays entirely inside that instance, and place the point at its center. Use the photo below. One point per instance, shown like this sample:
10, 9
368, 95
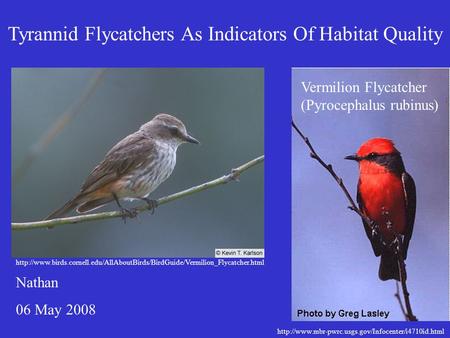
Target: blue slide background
200, 302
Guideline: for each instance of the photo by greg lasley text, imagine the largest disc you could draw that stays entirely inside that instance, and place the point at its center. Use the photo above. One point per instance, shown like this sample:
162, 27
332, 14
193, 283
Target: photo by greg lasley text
353, 314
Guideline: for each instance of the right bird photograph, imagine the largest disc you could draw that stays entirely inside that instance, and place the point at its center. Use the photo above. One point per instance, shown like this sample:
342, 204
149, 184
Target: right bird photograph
370, 192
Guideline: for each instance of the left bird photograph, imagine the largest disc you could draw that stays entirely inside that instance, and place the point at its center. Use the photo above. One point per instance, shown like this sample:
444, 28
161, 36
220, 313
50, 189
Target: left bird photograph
136, 162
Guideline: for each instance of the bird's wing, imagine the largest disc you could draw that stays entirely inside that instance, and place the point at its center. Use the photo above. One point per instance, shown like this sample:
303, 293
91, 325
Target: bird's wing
409, 189
131, 152
376, 246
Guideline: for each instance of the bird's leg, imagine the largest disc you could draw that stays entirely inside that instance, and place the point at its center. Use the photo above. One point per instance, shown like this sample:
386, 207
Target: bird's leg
125, 212
152, 204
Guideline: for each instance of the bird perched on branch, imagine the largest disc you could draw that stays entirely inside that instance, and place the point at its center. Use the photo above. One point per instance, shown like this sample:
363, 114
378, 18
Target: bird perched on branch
387, 195
133, 168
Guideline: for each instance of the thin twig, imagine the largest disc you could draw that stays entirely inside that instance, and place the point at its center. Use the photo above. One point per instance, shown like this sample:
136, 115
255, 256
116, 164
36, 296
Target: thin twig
339, 180
39, 146
232, 176
373, 226
397, 295
402, 268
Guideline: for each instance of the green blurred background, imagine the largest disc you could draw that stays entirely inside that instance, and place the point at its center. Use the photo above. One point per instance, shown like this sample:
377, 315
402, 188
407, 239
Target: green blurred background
223, 108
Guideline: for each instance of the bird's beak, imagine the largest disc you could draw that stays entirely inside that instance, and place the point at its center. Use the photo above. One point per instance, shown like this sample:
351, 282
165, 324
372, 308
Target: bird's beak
353, 157
190, 139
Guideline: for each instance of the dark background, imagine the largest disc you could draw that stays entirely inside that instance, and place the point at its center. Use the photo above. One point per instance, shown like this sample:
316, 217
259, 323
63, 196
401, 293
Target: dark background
223, 108
168, 302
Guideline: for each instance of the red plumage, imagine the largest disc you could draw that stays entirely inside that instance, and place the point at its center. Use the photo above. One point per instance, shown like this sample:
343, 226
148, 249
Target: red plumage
386, 194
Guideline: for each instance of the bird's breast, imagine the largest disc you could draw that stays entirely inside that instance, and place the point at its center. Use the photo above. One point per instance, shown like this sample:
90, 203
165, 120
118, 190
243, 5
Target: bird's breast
155, 170
384, 201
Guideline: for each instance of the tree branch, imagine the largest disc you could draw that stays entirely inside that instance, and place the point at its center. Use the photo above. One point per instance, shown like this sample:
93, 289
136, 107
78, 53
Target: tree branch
339, 180
232, 176
398, 249
402, 268
397, 295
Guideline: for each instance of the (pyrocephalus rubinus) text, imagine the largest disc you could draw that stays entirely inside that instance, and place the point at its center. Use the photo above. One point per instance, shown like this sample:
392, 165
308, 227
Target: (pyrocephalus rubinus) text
133, 168
387, 195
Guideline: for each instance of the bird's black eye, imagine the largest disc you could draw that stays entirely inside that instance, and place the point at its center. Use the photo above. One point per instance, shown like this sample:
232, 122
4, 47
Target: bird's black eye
372, 155
173, 130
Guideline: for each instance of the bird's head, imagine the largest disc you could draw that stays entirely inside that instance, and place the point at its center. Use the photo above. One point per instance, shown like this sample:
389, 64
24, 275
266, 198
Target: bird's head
169, 129
378, 154
374, 148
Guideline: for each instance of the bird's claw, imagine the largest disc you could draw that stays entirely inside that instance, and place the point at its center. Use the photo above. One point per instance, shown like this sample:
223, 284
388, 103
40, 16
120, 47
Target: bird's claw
128, 213
151, 204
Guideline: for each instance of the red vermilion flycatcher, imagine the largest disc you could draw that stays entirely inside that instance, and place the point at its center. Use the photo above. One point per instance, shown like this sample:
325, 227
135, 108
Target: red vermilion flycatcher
387, 195
133, 168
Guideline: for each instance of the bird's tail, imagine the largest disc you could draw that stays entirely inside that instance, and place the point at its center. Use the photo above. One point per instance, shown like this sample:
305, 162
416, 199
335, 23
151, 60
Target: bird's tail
81, 203
93, 204
389, 267
72, 204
